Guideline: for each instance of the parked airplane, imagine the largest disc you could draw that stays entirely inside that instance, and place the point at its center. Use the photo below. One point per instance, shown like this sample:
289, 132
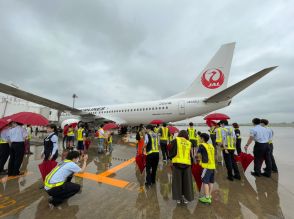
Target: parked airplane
207, 93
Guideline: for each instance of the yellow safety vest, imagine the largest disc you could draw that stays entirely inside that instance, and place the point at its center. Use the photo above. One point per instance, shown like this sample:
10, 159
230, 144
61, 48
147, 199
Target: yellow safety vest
191, 132
164, 134
156, 130
230, 140
239, 137
2, 141
154, 144
183, 151
171, 137
198, 139
110, 139
51, 174
80, 136
99, 135
70, 132
210, 153
219, 138
211, 131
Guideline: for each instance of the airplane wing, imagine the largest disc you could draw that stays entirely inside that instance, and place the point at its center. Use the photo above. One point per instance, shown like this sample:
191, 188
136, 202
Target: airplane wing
233, 90
109, 118
40, 100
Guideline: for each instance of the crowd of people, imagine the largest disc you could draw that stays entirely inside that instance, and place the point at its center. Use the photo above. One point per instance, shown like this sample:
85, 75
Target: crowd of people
182, 151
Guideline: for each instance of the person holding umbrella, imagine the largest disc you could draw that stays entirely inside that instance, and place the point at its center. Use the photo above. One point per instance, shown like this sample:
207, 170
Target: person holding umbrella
50, 151
17, 136
4, 148
181, 155
152, 159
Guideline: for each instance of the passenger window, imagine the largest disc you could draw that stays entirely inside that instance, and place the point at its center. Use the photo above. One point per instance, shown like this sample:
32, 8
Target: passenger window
152, 108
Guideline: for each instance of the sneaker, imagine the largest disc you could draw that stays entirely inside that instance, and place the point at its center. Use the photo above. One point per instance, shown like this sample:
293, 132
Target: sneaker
205, 200
178, 201
184, 201
266, 175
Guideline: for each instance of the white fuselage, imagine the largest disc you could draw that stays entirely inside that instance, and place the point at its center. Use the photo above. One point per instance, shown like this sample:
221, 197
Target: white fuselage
168, 110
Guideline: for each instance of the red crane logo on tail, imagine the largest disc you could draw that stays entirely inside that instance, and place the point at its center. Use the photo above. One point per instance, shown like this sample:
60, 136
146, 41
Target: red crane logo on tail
212, 78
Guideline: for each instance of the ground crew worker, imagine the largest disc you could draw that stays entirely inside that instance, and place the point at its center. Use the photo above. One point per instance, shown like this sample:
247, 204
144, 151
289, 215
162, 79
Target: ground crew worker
28, 140
206, 158
152, 159
101, 139
212, 134
261, 150
50, 151
181, 155
4, 149
228, 143
218, 141
109, 142
70, 137
238, 137
198, 138
192, 135
81, 138
264, 123
164, 137
58, 182
17, 136
65, 131
156, 129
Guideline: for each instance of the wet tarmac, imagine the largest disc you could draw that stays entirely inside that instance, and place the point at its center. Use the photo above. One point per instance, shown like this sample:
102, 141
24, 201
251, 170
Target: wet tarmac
112, 187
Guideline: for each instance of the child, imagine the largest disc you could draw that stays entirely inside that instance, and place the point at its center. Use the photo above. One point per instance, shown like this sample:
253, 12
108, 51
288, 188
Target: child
206, 159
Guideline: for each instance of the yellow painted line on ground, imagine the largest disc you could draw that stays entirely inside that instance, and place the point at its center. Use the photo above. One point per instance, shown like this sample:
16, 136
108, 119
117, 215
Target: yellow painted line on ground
103, 179
118, 167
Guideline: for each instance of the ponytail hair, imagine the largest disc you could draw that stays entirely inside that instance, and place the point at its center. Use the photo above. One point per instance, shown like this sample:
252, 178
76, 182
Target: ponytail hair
54, 127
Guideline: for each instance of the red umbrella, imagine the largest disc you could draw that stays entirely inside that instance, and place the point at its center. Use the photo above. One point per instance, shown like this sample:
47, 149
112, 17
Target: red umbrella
156, 122
111, 125
216, 116
3, 123
73, 125
210, 123
172, 129
197, 171
29, 118
141, 161
245, 159
46, 166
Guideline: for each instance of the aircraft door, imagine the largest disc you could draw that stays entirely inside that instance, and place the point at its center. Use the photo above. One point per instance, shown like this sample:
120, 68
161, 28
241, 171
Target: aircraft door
182, 107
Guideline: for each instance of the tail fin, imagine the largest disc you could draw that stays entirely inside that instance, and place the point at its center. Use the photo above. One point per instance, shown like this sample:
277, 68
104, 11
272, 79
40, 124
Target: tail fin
214, 77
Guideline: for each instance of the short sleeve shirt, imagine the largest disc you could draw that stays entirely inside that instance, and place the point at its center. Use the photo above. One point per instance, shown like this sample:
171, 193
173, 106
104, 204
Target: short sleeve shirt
260, 134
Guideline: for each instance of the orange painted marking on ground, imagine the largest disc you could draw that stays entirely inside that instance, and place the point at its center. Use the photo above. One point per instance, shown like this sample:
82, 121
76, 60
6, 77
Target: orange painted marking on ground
103, 179
117, 168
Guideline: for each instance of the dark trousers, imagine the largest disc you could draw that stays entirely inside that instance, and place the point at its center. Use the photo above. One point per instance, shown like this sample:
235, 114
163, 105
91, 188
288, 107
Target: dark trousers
16, 156
64, 141
274, 165
151, 167
213, 138
60, 193
238, 145
261, 151
231, 164
163, 145
4, 154
182, 184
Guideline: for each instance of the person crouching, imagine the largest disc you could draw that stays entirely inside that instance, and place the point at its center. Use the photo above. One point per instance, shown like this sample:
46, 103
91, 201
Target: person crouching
181, 155
58, 183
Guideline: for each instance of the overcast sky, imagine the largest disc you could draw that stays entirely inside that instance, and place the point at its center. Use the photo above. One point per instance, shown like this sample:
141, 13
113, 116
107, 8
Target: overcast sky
110, 52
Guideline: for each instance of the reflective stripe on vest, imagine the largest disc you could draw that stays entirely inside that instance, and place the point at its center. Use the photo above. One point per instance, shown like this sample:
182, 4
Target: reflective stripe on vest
191, 132
210, 153
211, 131
164, 134
2, 141
230, 140
154, 145
51, 174
80, 136
183, 151
219, 137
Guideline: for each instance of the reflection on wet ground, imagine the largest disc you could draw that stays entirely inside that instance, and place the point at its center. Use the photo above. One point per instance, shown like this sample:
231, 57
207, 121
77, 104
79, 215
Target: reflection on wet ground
113, 187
